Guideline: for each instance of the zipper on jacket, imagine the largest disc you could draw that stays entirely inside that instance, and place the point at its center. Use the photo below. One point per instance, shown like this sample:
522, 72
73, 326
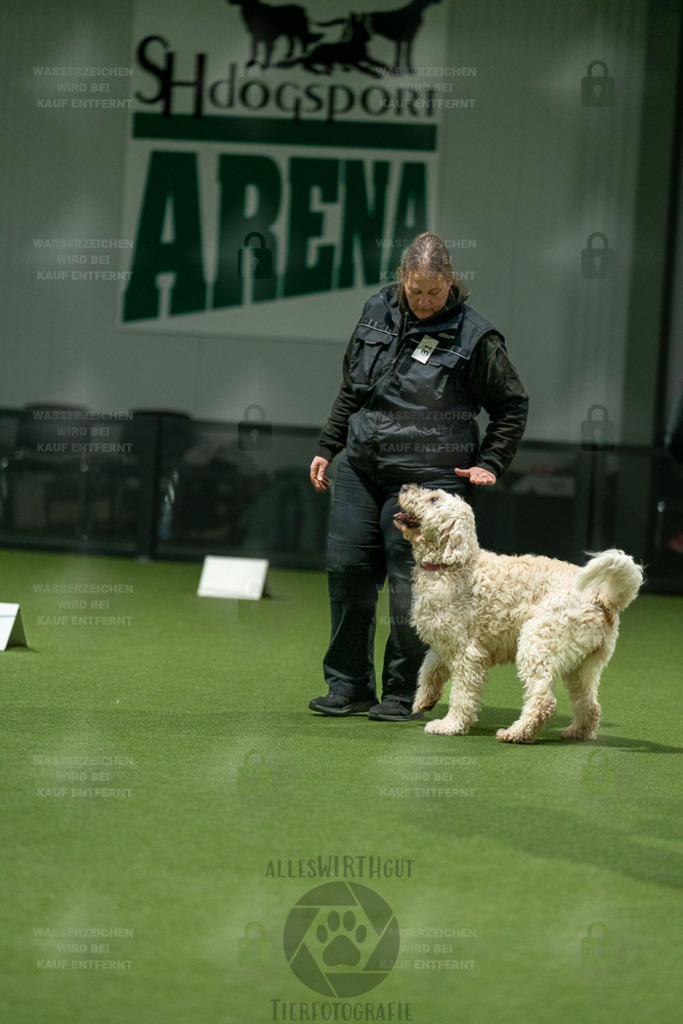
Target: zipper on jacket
386, 377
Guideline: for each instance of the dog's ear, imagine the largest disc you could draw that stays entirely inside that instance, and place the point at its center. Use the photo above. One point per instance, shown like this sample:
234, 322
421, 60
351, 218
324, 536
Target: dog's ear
455, 552
459, 540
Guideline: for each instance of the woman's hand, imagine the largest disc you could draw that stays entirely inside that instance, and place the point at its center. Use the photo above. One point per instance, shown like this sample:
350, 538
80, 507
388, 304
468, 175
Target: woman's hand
477, 475
319, 477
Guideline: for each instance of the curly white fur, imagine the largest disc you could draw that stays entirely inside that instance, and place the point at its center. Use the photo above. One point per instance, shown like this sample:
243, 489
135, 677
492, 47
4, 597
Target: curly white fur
476, 609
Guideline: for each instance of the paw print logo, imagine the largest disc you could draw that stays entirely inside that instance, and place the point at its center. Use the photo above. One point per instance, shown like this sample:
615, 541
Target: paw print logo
341, 939
341, 948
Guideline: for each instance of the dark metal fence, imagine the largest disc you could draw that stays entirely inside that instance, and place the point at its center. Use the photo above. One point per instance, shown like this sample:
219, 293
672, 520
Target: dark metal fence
157, 484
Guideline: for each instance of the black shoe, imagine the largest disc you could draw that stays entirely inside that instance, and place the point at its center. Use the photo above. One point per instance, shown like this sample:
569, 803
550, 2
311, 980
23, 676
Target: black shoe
335, 704
392, 709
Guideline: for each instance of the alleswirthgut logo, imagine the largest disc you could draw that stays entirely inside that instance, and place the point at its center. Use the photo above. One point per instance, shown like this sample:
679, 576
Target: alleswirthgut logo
341, 939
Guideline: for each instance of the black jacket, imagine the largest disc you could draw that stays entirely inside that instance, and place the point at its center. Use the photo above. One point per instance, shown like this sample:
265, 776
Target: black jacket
403, 418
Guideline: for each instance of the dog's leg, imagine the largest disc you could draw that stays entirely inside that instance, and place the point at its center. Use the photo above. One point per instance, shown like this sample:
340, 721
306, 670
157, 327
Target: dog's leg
430, 682
539, 706
582, 685
537, 665
468, 675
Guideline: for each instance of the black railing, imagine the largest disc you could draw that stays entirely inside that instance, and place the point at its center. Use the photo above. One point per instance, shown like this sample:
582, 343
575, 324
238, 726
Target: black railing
157, 484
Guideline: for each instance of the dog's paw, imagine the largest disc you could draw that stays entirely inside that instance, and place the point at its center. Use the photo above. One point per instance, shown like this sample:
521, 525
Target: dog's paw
445, 727
573, 733
512, 736
423, 704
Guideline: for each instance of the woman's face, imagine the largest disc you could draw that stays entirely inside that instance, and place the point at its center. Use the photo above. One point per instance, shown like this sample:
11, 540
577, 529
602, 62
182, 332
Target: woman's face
426, 294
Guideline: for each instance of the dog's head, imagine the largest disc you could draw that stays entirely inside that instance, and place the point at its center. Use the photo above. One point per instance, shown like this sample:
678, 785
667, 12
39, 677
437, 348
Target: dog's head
440, 526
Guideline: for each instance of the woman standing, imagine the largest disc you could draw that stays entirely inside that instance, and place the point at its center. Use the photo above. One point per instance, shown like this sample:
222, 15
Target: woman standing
420, 366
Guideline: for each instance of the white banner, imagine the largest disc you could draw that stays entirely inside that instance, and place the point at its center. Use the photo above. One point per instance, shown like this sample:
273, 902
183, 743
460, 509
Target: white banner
280, 158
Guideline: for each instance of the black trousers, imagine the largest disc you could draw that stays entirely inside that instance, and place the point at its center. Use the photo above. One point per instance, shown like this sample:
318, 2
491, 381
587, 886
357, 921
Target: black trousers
364, 550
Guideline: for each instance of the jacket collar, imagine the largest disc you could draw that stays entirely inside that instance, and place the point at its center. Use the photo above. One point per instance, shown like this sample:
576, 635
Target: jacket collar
447, 318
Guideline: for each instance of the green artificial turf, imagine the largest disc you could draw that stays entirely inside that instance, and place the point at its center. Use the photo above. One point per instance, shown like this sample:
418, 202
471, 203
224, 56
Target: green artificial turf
212, 799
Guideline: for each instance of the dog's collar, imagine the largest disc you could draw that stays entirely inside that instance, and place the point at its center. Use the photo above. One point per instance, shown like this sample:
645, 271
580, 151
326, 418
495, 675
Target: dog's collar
433, 565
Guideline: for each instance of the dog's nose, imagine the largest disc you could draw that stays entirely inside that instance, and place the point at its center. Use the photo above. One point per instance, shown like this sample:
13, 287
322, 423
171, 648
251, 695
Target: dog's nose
405, 487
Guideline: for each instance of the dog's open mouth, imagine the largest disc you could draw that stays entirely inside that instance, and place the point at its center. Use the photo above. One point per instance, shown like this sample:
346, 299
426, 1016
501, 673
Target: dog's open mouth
407, 520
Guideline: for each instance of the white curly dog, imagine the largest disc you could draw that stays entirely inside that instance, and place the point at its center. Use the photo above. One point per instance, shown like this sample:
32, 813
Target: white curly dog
476, 609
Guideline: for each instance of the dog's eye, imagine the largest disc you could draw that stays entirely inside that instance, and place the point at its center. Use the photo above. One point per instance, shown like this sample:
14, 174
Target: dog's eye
435, 498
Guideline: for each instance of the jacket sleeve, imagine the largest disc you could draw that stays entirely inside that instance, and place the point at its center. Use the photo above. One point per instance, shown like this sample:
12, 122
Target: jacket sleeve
494, 383
333, 435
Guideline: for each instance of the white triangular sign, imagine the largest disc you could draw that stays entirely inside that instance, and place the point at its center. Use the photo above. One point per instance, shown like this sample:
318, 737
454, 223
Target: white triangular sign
11, 627
241, 578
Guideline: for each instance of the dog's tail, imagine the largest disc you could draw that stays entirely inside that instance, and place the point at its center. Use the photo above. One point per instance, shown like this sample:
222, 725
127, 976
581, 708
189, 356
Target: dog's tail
614, 575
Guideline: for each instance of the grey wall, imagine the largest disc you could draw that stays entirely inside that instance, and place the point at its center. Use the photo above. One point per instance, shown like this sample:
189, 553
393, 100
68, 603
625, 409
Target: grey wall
526, 175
